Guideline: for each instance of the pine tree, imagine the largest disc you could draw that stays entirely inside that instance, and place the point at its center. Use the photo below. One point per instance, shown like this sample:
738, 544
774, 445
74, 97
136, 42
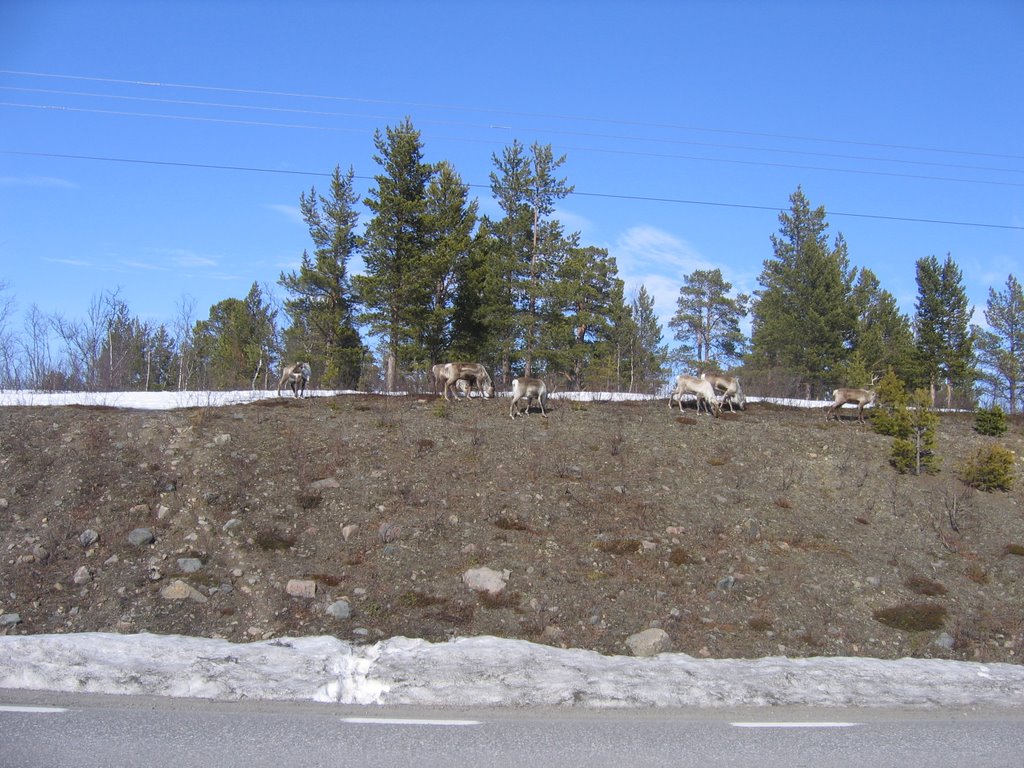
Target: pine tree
804, 320
1001, 346
915, 453
397, 285
707, 321
236, 340
945, 344
322, 305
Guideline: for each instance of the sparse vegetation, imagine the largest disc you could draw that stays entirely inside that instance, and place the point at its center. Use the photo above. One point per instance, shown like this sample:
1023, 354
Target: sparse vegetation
597, 543
990, 468
913, 617
990, 421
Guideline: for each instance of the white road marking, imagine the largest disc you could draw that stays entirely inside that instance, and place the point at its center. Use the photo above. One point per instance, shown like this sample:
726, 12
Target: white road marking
32, 710
793, 725
405, 721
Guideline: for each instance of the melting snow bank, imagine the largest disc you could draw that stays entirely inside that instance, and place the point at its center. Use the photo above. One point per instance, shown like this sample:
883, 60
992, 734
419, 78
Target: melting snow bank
484, 671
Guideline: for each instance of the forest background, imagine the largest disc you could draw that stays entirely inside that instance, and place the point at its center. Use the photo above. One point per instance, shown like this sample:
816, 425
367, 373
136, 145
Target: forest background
524, 295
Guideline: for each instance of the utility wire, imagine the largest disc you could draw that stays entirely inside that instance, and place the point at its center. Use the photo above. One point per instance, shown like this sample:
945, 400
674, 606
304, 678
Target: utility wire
522, 129
468, 108
464, 140
613, 196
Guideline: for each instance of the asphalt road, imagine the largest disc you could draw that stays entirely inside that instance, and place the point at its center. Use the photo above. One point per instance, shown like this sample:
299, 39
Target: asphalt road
53, 730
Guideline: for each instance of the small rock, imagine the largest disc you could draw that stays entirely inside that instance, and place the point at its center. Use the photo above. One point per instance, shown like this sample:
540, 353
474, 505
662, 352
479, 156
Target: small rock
348, 530
189, 564
327, 482
650, 642
486, 580
141, 537
179, 590
944, 640
301, 588
389, 532
340, 610
82, 576
88, 537
726, 582
222, 439
139, 509
9, 620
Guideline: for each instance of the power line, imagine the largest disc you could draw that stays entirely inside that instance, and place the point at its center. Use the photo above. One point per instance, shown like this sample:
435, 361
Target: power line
468, 108
633, 153
554, 131
607, 195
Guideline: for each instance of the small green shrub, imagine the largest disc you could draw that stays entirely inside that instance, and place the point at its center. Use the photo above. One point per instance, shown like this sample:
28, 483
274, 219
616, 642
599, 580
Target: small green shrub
922, 585
679, 556
905, 457
619, 546
991, 468
990, 421
890, 416
912, 617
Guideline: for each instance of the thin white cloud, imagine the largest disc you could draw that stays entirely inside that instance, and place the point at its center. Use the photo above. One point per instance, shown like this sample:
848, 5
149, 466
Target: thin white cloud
573, 222
646, 246
144, 265
69, 262
290, 212
182, 258
40, 182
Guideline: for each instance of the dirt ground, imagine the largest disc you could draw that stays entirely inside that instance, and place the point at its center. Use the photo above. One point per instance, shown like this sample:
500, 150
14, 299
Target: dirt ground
762, 533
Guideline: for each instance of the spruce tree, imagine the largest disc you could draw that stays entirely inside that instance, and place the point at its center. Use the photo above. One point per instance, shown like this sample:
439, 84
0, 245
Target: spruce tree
396, 286
945, 343
804, 320
320, 304
530, 246
647, 355
450, 220
884, 336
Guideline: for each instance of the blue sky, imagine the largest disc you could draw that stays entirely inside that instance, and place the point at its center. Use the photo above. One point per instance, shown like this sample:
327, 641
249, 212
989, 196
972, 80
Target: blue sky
686, 126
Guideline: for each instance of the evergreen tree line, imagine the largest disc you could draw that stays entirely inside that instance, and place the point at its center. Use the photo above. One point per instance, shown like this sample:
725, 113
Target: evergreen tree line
522, 295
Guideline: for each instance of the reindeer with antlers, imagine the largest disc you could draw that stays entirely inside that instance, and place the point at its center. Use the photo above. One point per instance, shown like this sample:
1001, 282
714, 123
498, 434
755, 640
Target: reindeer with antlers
853, 396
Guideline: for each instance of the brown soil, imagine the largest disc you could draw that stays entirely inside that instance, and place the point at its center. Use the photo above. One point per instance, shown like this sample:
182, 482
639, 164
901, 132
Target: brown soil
762, 533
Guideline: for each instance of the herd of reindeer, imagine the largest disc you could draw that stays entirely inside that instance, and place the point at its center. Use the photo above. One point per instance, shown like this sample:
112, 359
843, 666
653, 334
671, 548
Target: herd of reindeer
711, 391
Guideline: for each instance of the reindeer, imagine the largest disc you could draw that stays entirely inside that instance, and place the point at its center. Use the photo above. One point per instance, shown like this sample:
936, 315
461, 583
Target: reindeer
297, 375
730, 388
692, 385
471, 373
528, 389
437, 372
858, 397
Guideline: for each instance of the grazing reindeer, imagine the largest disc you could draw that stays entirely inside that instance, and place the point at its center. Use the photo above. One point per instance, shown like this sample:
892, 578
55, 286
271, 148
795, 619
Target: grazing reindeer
691, 385
528, 389
471, 373
437, 371
729, 387
297, 376
858, 397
